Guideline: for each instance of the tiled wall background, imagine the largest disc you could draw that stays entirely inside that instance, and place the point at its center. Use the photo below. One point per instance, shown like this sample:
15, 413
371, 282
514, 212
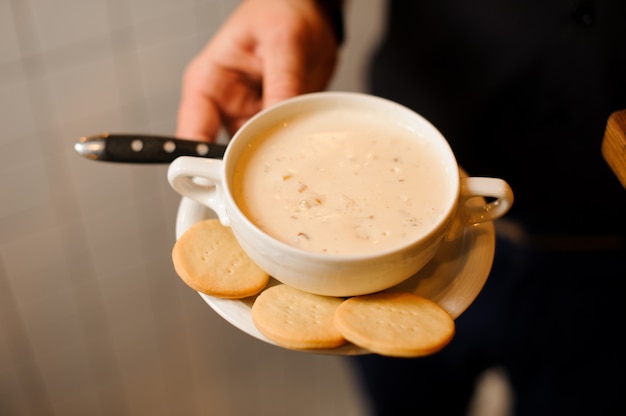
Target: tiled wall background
93, 319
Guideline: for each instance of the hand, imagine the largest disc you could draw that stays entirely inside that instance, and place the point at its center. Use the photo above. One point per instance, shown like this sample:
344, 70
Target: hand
267, 51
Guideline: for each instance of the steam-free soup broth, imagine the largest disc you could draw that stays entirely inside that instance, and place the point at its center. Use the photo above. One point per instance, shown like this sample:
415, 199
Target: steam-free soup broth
342, 182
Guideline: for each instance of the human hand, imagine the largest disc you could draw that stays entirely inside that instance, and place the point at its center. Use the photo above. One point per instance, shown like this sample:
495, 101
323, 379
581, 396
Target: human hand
267, 51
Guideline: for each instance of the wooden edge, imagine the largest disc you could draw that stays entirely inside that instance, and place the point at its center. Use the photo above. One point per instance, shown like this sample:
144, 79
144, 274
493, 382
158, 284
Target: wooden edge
614, 145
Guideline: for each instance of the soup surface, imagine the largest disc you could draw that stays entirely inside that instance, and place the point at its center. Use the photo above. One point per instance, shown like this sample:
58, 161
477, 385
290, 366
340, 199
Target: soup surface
342, 182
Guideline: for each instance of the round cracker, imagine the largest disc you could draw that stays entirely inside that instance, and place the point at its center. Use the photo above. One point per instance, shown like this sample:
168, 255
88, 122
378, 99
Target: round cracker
297, 320
208, 258
395, 324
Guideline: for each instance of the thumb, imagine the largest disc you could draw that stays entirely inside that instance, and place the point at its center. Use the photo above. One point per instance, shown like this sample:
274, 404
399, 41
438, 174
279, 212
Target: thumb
198, 118
198, 115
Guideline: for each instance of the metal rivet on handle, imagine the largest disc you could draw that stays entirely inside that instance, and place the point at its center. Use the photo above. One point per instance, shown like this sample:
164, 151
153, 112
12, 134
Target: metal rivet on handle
169, 146
202, 149
136, 145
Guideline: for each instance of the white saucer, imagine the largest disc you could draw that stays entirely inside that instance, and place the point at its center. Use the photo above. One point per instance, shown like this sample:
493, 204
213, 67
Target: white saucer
453, 278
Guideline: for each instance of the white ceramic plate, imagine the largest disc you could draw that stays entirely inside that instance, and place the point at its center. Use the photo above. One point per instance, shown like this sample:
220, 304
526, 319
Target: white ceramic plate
453, 278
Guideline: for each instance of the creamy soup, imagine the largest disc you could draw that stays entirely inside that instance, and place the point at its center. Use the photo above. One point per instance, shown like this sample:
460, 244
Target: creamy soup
341, 182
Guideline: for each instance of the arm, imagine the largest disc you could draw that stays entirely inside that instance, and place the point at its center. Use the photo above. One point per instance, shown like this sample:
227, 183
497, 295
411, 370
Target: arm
267, 51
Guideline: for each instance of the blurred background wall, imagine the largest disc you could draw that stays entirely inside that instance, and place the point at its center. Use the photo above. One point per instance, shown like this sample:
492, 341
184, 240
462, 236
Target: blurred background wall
93, 319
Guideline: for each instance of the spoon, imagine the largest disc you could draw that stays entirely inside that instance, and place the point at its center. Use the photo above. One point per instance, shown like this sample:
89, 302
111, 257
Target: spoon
133, 148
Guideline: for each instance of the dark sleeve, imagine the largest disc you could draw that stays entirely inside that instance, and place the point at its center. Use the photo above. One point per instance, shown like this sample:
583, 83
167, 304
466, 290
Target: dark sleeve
334, 12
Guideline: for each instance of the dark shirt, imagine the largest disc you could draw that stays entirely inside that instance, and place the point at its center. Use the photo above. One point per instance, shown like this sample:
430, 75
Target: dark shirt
522, 90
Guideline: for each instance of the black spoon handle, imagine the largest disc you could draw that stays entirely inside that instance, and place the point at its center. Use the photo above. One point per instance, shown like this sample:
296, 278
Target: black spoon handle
133, 148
